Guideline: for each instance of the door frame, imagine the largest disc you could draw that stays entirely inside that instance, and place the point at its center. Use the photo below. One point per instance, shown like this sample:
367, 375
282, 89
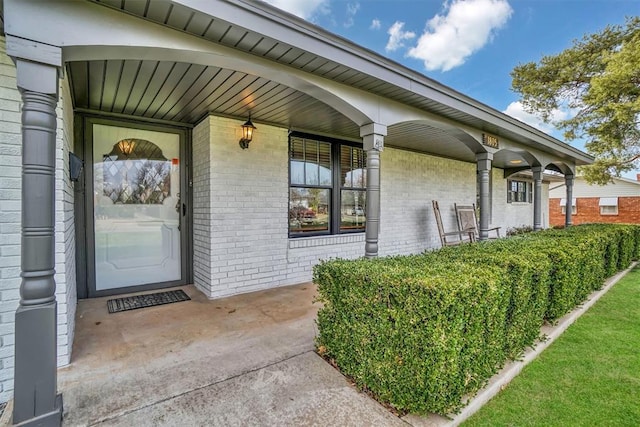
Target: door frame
84, 208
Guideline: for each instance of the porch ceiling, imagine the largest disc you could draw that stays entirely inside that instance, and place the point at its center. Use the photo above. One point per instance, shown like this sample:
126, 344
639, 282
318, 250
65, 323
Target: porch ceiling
428, 139
185, 93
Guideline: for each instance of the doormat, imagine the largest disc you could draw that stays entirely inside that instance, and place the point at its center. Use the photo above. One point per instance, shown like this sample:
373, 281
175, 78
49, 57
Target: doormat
149, 300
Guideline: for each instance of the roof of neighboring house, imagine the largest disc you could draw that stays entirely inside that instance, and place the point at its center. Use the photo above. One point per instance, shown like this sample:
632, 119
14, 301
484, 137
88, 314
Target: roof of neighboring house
619, 187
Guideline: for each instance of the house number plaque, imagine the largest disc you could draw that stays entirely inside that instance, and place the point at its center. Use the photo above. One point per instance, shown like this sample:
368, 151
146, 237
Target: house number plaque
490, 140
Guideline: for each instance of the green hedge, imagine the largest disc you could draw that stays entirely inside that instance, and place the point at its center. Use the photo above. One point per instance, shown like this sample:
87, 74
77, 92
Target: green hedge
422, 332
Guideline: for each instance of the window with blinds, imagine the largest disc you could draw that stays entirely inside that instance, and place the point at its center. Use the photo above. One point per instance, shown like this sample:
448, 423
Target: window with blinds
327, 186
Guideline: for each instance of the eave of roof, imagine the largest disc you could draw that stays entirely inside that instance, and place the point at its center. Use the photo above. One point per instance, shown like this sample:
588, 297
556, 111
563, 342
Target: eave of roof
315, 39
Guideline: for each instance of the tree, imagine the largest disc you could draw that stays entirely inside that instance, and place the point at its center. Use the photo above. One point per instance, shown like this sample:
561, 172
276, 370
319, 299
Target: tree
598, 81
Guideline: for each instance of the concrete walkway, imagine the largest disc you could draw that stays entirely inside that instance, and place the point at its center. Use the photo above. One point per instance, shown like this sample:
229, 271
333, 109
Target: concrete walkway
241, 361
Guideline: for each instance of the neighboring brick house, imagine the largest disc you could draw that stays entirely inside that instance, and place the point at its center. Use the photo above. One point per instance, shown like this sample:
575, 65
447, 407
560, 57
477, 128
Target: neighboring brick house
349, 151
616, 202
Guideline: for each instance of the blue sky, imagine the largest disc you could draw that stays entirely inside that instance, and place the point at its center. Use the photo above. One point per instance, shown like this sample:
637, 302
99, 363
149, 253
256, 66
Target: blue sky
469, 45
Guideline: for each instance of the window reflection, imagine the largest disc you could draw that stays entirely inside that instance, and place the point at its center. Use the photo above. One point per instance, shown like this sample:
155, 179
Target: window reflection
353, 167
309, 210
352, 210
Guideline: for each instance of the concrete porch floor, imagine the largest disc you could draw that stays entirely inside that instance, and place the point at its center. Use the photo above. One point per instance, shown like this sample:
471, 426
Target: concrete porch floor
245, 360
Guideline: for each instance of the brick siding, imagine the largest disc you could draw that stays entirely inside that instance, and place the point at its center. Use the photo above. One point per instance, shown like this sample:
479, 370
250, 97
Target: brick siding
10, 216
65, 249
588, 211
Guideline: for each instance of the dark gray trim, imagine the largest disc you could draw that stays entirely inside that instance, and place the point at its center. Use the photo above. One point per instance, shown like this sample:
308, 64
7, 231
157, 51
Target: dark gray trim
36, 52
89, 284
335, 188
373, 143
529, 189
484, 169
36, 401
336, 151
126, 117
537, 197
187, 156
79, 210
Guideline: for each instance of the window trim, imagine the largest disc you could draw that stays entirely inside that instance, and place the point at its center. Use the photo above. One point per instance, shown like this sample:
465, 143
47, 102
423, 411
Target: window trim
335, 189
608, 213
528, 191
608, 202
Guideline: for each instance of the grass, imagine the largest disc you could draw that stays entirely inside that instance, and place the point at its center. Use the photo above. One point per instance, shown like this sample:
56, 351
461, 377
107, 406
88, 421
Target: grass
590, 376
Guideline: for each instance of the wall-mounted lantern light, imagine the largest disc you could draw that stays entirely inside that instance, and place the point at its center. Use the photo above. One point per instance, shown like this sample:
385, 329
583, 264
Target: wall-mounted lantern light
247, 134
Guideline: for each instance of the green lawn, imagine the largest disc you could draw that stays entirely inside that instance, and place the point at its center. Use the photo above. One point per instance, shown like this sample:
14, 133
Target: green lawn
589, 377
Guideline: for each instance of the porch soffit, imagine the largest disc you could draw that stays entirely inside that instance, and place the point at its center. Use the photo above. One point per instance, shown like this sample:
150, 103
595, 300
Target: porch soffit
177, 15
184, 93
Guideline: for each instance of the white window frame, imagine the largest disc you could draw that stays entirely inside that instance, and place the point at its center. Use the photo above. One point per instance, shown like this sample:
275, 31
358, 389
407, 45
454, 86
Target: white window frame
606, 203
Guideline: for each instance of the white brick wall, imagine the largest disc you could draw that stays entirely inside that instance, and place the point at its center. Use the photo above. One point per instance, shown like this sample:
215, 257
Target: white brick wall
10, 208
241, 204
409, 182
509, 215
247, 196
10, 218
65, 228
202, 207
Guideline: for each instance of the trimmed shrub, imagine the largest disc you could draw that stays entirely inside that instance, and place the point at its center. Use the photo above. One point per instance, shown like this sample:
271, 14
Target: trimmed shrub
526, 274
422, 332
451, 317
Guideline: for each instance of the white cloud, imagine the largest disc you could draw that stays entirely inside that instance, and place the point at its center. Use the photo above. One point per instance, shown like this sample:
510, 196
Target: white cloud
302, 8
466, 26
397, 36
352, 9
375, 24
517, 111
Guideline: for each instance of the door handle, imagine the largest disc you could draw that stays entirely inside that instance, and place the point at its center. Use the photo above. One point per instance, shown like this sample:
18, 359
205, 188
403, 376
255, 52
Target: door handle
184, 209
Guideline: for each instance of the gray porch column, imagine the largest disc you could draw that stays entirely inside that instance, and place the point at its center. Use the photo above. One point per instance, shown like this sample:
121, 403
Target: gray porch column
36, 401
537, 197
373, 142
568, 180
484, 168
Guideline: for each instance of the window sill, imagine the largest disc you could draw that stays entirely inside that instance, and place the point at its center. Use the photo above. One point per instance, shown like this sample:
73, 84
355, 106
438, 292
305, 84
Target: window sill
335, 239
